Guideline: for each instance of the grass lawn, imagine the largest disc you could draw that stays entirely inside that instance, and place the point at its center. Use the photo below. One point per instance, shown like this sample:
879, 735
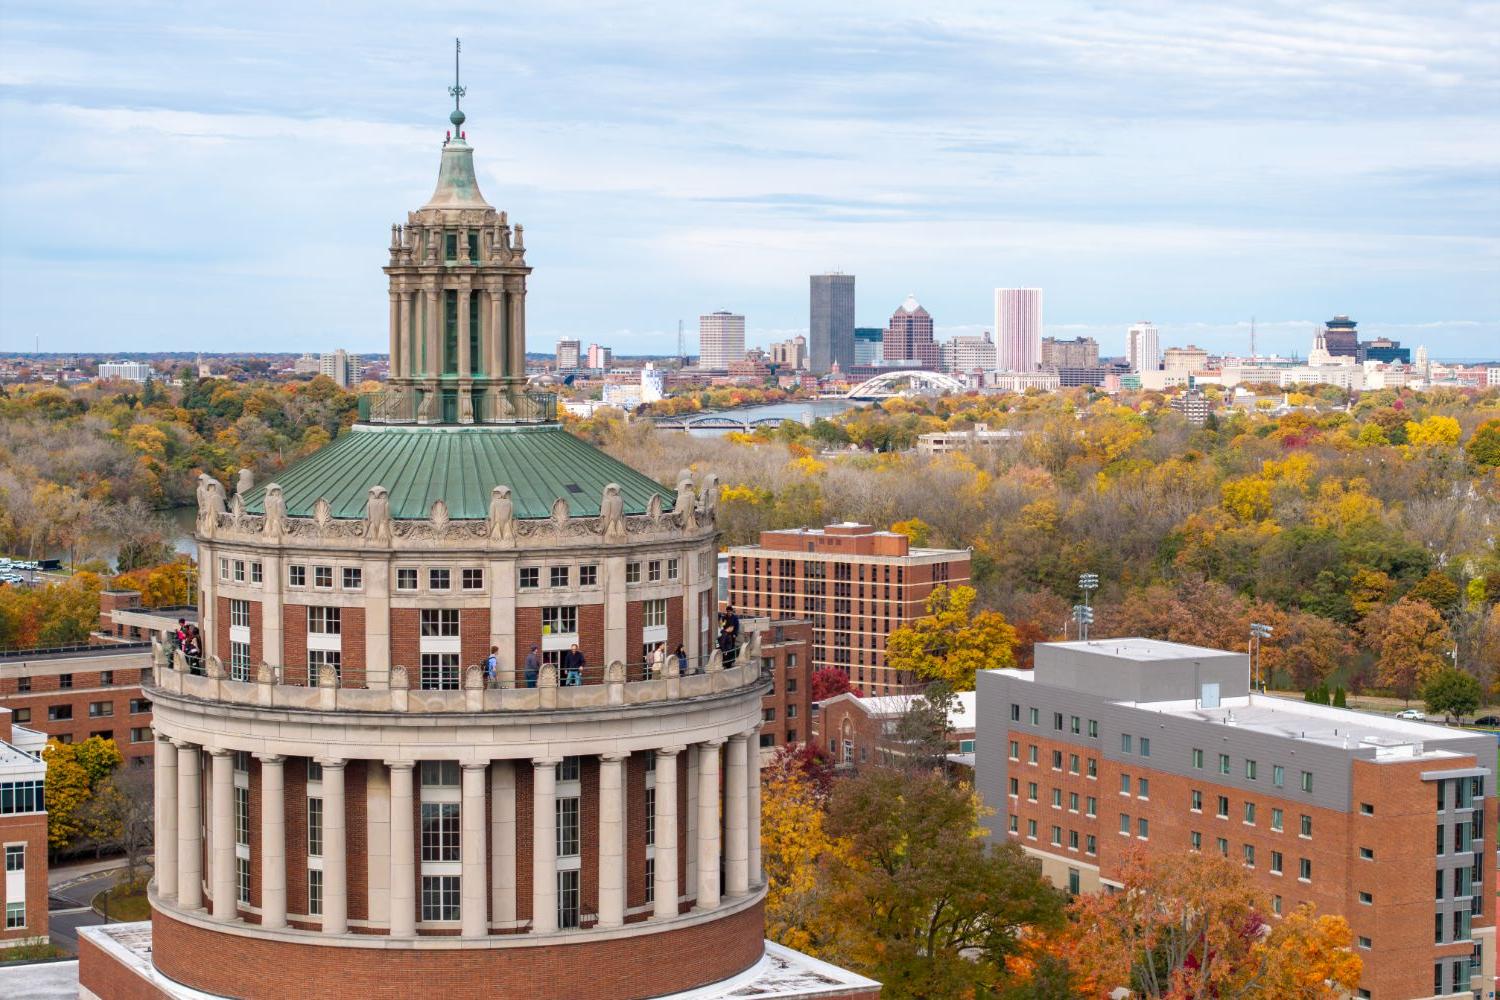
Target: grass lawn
124, 903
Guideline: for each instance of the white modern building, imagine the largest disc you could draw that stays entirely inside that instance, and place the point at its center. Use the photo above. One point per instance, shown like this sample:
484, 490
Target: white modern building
1018, 329
129, 371
1143, 347
962, 354
569, 352
341, 366
721, 339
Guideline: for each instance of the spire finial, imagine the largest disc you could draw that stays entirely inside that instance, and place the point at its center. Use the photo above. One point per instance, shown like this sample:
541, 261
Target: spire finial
458, 91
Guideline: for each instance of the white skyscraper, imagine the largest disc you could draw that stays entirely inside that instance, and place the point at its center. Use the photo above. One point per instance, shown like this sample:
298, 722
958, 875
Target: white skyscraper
721, 339
1143, 347
1018, 329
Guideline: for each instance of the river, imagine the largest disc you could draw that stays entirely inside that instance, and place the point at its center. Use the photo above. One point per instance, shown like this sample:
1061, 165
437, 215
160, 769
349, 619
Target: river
806, 410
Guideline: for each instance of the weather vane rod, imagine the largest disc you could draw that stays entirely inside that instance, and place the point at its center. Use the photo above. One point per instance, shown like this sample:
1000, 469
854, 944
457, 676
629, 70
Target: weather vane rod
457, 90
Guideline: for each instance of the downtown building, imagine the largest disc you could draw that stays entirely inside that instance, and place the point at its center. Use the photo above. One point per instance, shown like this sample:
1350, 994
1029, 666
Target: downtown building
908, 342
721, 340
1018, 329
856, 584
1114, 745
1143, 347
830, 322
346, 806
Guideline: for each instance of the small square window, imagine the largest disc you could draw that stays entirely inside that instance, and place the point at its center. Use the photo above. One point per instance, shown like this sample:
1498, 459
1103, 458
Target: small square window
323, 577
296, 576
672, 569
1366, 899
354, 578
529, 577
633, 572
1367, 854
439, 579
653, 571
256, 573
406, 579
1366, 809
557, 576
588, 576
239, 571
473, 579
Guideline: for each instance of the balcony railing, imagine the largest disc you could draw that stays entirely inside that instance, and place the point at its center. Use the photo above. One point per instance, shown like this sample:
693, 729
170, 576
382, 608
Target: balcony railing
445, 405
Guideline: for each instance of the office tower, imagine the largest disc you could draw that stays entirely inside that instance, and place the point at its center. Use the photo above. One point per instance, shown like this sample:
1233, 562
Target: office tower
963, 354
790, 353
1185, 359
569, 353
129, 371
908, 338
1384, 350
1143, 347
1121, 745
341, 366
721, 339
1080, 352
1018, 329
830, 323
1340, 337
856, 584
601, 358
868, 341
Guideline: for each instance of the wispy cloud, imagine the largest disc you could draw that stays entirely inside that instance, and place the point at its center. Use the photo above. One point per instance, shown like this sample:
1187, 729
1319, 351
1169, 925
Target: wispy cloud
1196, 164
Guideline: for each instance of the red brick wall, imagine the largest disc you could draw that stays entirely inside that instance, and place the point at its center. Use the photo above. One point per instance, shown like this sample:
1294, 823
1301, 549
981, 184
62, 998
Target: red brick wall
352, 647
674, 622
474, 636
588, 816
406, 644
633, 629
46, 692
591, 639
528, 634
294, 644
221, 629
257, 636
635, 831
294, 789
102, 976
524, 821
357, 827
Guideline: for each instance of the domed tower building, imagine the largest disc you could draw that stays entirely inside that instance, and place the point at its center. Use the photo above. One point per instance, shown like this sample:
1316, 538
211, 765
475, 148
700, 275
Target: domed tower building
348, 803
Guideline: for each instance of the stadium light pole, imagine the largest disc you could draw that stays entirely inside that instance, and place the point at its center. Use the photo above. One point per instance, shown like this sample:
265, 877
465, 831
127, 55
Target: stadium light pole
1257, 633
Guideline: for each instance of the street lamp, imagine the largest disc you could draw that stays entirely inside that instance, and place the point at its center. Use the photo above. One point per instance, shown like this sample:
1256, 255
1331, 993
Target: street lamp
1084, 616
1257, 633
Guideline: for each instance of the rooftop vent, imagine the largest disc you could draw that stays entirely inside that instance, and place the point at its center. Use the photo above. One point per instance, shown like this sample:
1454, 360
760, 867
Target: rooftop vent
573, 487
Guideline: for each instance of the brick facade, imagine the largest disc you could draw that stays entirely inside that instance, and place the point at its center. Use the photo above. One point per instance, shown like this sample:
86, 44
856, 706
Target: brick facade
71, 687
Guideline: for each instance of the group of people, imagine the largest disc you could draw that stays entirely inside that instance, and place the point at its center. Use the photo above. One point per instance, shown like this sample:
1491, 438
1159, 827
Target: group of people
572, 662
187, 638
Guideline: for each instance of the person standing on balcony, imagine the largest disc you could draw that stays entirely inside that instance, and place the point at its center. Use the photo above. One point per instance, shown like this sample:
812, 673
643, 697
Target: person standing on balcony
533, 667
573, 663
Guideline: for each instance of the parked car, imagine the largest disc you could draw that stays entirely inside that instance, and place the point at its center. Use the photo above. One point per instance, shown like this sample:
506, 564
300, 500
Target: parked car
1412, 714
1492, 721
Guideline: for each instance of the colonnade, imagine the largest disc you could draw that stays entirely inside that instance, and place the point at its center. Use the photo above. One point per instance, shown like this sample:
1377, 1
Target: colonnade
419, 343
487, 887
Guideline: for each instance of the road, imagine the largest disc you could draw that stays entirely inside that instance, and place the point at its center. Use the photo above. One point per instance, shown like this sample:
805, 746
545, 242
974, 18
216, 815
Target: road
69, 894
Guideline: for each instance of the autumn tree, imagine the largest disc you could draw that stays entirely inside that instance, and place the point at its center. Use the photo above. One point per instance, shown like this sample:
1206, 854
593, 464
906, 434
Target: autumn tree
1411, 643
952, 642
795, 847
121, 816
1484, 444
1192, 925
920, 900
1452, 692
75, 771
829, 682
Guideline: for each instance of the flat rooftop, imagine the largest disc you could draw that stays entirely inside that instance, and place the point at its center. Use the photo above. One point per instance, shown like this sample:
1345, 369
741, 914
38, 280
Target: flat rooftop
1142, 649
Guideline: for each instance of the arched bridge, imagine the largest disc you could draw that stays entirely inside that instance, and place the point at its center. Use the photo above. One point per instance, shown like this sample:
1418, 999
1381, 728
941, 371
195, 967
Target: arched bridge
717, 422
916, 381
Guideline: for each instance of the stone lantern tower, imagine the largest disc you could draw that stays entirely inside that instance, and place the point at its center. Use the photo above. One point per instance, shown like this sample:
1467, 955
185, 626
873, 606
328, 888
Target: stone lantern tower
350, 804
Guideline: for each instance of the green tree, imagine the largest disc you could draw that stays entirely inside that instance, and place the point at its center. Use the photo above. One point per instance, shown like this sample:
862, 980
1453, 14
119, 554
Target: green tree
1453, 692
1484, 445
922, 902
952, 642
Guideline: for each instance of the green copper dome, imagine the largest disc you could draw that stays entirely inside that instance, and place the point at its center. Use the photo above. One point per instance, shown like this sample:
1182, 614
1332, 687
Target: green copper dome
460, 466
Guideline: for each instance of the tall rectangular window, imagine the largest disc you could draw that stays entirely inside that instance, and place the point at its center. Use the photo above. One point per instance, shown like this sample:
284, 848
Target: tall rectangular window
568, 829
317, 659
568, 898
315, 828
440, 831
315, 892
439, 672
440, 897
450, 329
239, 661
476, 319
239, 614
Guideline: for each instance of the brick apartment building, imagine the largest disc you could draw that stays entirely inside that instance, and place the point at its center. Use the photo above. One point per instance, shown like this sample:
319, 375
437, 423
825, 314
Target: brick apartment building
72, 695
854, 583
1126, 743
23, 835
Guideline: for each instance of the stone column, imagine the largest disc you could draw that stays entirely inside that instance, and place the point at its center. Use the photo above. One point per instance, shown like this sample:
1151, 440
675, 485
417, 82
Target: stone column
503, 355
503, 842
272, 840
473, 890
492, 346
543, 846
403, 850
403, 336
335, 850
708, 824
752, 780
189, 827
666, 832
612, 839
221, 854
736, 818
395, 366
465, 363
434, 332
518, 334
690, 823
618, 645
166, 817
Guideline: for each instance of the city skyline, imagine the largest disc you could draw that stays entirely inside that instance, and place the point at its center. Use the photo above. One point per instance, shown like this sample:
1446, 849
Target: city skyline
1231, 190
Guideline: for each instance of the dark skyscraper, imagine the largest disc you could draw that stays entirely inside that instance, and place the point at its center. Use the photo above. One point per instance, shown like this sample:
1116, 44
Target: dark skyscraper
1340, 337
830, 324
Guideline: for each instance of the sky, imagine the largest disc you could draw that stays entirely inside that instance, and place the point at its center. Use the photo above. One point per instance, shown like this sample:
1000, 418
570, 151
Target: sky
223, 177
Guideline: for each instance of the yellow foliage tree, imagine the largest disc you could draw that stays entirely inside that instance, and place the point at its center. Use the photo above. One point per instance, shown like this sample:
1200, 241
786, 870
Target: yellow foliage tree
915, 529
952, 643
1247, 499
1435, 431
793, 844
